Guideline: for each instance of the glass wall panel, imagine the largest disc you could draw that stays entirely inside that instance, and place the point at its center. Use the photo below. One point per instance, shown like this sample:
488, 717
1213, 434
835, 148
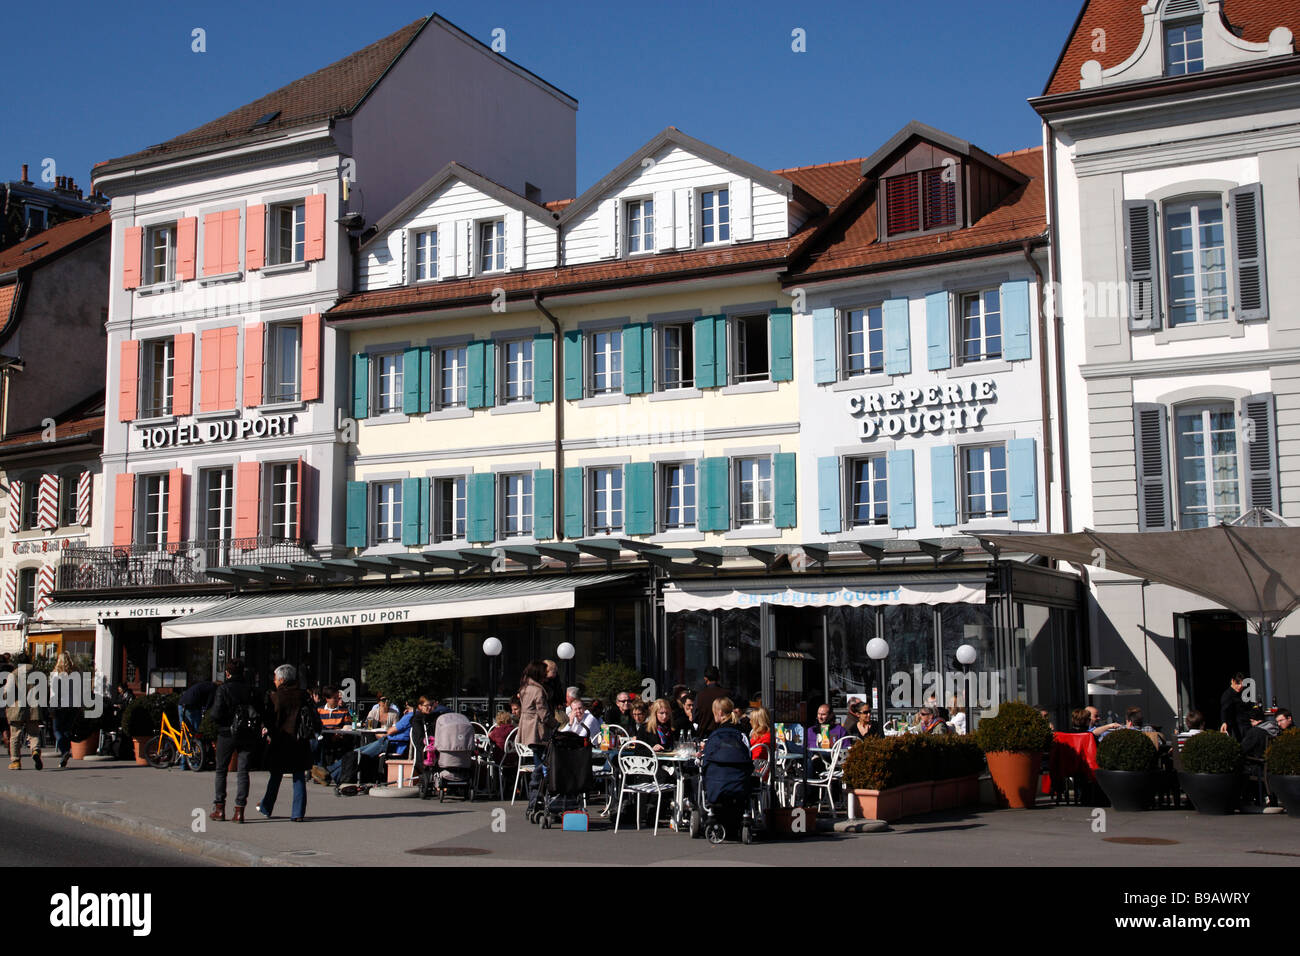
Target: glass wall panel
909, 629
740, 663
848, 629
970, 624
690, 647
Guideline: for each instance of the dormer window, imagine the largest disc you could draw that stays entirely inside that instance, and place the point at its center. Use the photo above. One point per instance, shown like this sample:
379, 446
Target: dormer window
1184, 51
492, 246
640, 226
715, 216
921, 201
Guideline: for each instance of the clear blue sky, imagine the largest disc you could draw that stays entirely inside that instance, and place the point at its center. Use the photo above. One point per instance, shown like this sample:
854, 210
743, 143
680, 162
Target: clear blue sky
85, 82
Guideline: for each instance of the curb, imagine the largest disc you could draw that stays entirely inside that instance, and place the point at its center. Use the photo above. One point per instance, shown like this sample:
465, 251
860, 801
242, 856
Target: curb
106, 819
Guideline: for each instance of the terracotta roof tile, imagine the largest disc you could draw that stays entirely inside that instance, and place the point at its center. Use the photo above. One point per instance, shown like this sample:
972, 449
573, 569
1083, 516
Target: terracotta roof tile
828, 183
63, 431
1122, 22
7, 295
52, 240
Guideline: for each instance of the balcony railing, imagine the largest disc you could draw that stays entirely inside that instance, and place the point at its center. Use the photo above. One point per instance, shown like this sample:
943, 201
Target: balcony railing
180, 563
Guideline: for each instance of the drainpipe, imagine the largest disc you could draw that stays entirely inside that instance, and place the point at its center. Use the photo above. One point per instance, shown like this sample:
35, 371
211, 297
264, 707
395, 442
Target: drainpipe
1027, 248
557, 357
1053, 211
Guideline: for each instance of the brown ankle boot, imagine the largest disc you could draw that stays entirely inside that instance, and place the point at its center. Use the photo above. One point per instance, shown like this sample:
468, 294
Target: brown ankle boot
239, 815
218, 812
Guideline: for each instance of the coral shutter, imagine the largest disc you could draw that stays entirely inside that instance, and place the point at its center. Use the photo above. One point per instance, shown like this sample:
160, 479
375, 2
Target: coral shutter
183, 374
187, 238
128, 393
255, 238
123, 509
247, 499
175, 508
228, 377
229, 241
315, 213
131, 253
210, 370
311, 349
212, 244
253, 365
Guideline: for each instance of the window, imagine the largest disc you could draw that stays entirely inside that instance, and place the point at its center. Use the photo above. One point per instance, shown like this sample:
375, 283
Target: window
1198, 275
517, 380
288, 226
1183, 50
67, 500
160, 247
715, 216
388, 512
868, 492
984, 481
753, 491
449, 509
426, 255
388, 383
155, 511
37, 219
641, 226
517, 504
452, 371
27, 591
284, 362
678, 495
606, 500
981, 326
676, 356
219, 504
156, 391
606, 361
284, 501
921, 201
492, 246
1209, 491
749, 344
864, 342
31, 503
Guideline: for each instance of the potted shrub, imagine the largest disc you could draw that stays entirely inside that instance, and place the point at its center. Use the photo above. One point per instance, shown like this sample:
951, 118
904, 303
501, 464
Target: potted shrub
1211, 774
893, 777
1282, 760
1014, 742
85, 737
406, 667
607, 679
1128, 769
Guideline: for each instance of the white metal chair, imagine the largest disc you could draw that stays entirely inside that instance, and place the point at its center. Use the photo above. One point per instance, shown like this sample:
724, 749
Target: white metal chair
637, 760
525, 757
834, 771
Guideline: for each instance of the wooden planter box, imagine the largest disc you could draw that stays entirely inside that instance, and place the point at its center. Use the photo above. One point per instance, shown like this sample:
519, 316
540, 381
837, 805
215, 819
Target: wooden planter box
915, 798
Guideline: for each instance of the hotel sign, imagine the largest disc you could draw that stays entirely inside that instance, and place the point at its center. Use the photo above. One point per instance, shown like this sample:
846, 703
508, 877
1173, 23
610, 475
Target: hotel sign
950, 407
217, 432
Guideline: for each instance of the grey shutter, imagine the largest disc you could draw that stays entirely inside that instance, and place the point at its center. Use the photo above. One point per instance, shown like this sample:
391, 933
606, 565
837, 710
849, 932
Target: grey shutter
1142, 264
1261, 451
1250, 279
1151, 441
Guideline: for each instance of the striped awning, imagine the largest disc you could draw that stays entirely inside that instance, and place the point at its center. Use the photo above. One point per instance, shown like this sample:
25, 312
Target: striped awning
125, 609
827, 591
388, 604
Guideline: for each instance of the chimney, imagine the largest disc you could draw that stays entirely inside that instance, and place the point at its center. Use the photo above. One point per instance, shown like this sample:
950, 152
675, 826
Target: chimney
24, 179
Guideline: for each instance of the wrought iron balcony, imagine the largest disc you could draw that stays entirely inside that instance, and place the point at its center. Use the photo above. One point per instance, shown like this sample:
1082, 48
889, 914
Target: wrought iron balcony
179, 563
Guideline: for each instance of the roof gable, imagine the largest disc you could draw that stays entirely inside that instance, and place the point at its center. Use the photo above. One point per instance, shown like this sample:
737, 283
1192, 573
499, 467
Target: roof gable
915, 131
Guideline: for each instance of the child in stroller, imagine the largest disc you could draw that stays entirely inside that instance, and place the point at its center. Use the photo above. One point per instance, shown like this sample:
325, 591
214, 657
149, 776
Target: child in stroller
727, 778
453, 755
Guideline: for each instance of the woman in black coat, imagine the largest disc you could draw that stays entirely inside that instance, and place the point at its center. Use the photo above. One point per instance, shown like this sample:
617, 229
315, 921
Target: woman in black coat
422, 724
285, 752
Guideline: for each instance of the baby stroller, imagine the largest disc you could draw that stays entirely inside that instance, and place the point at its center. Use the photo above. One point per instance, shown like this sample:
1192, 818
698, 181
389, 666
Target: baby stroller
566, 779
728, 788
453, 742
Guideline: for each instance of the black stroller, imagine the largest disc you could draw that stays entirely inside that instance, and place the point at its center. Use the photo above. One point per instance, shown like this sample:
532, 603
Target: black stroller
728, 786
566, 778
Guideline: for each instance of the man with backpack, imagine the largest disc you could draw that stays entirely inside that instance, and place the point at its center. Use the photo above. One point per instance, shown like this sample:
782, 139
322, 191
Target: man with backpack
239, 726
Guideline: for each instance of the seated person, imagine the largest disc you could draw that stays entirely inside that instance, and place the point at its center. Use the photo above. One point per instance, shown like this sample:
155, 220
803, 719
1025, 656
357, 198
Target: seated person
515, 709
346, 767
621, 712
760, 732
859, 723
957, 722
931, 722
640, 712
1080, 721
659, 732
581, 722
1098, 729
501, 729
1195, 722
1262, 731
383, 714
684, 719
333, 717
825, 731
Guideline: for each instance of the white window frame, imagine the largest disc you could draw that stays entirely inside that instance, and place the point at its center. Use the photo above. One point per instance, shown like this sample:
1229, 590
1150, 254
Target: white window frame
156, 399
278, 252
68, 500
459, 505
716, 206
740, 328
283, 520
517, 373
639, 226
852, 484
987, 472
869, 367
1193, 205
748, 471
274, 390
154, 494
606, 482
613, 354
1204, 409
984, 339
424, 254
675, 373
689, 490
516, 504
459, 369
386, 512
166, 231
1183, 45
218, 484
490, 249
396, 382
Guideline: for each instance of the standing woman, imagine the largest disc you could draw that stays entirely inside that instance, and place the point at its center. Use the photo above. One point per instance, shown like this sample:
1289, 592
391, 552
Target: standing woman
286, 753
63, 716
551, 682
535, 705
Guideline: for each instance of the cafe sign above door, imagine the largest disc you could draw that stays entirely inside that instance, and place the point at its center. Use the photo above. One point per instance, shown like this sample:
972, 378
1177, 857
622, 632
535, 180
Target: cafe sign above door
946, 408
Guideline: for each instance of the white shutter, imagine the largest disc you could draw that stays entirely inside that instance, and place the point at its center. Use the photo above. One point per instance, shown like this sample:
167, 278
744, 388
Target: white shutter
664, 238
447, 251
741, 195
397, 249
464, 247
606, 215
515, 226
682, 218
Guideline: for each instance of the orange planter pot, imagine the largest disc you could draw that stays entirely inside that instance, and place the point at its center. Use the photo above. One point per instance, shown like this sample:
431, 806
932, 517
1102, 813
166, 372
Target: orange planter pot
81, 749
140, 744
1015, 777
913, 798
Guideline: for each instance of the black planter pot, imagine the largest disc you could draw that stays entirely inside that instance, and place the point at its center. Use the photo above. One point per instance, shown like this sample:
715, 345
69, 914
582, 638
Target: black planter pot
1212, 792
1287, 788
1129, 790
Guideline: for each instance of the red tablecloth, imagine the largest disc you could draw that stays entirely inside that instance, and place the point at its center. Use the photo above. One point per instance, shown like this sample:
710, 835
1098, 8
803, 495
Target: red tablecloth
1073, 755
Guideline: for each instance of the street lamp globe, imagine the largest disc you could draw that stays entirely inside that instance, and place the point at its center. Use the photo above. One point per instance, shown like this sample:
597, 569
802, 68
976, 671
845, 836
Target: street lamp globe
565, 651
492, 647
877, 648
966, 655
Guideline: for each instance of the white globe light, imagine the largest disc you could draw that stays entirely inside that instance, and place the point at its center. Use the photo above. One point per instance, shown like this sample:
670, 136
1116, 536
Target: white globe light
966, 654
877, 648
492, 647
565, 651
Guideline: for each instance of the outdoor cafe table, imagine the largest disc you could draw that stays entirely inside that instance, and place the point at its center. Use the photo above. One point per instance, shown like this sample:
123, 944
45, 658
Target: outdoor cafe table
361, 733
678, 762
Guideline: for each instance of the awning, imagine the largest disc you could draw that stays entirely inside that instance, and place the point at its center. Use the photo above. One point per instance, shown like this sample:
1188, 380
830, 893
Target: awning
108, 609
826, 592
351, 607
12, 622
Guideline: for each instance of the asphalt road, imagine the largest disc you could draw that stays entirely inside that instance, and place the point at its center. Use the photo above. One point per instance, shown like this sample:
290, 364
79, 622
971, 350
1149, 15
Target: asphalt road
33, 837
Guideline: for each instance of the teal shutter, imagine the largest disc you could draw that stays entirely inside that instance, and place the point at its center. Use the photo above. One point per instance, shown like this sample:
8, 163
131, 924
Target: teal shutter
572, 365
639, 484
715, 498
1022, 479
360, 385
415, 381
481, 489
1015, 320
474, 357
943, 484
647, 358
938, 331
782, 323
719, 350
543, 502
783, 491
633, 360
705, 361
829, 510
900, 482
898, 337
426, 379
573, 526
824, 369
489, 374
415, 511
357, 516
543, 369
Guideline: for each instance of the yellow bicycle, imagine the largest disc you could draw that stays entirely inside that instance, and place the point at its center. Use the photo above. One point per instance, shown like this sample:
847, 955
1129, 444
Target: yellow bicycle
171, 744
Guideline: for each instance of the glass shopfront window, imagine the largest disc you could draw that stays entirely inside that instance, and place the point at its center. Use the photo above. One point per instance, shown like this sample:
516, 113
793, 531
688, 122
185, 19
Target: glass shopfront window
909, 629
851, 671
739, 654
690, 647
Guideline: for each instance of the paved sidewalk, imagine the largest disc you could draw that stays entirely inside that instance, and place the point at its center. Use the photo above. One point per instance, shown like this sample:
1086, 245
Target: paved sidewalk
166, 806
